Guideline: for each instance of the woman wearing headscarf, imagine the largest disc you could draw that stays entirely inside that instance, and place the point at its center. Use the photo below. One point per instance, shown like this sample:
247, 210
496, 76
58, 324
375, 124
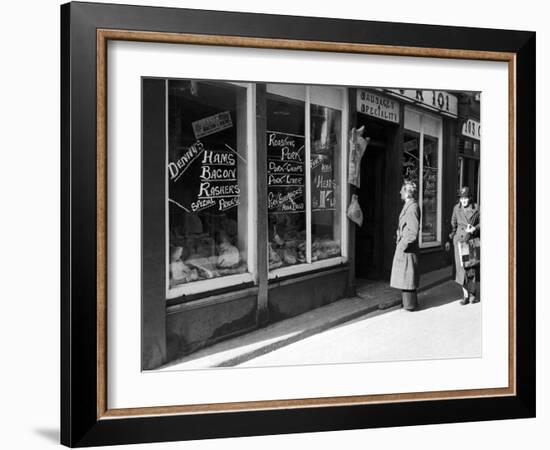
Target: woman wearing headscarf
465, 225
405, 274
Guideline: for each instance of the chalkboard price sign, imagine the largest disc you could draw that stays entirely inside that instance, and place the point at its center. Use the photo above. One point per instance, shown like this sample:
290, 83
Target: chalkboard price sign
285, 172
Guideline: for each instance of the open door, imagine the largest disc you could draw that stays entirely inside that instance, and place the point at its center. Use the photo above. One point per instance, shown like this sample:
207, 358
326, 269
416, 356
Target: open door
369, 237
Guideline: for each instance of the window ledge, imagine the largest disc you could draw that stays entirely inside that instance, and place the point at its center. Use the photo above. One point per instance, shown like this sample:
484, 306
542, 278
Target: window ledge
210, 298
303, 276
433, 249
207, 286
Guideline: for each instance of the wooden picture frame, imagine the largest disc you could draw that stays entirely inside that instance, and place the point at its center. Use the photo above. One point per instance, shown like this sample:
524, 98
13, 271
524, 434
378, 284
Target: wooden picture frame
86, 418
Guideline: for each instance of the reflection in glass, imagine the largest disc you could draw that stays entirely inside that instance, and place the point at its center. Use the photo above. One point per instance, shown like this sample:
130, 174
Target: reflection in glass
411, 156
326, 132
429, 189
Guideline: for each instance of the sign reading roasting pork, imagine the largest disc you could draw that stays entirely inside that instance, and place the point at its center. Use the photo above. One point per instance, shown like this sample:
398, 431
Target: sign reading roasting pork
285, 173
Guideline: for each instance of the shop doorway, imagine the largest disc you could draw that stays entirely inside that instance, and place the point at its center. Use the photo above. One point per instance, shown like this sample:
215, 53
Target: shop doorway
369, 237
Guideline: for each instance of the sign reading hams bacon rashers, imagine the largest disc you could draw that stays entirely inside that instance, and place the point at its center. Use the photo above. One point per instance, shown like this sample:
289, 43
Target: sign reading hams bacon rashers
202, 178
285, 173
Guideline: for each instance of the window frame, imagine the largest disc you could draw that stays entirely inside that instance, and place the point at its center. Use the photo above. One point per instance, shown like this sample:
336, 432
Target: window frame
310, 265
422, 114
203, 286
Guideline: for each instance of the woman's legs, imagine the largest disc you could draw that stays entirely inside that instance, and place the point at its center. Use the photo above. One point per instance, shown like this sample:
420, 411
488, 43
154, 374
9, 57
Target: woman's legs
469, 288
465, 296
472, 292
471, 283
409, 299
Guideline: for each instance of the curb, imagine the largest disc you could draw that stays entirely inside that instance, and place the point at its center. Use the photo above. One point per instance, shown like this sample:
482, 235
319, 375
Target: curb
298, 337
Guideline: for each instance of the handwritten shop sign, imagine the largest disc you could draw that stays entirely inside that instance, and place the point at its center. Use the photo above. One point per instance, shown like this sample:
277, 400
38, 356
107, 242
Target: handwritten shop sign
285, 173
439, 101
472, 128
377, 106
323, 184
204, 178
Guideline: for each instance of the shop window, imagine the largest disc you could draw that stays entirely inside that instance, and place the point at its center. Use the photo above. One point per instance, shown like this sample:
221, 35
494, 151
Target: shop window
430, 185
325, 161
411, 156
207, 176
305, 189
422, 164
286, 176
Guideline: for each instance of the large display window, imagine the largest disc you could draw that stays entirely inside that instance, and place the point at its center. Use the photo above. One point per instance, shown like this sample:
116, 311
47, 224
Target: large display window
422, 149
209, 178
286, 175
211, 174
305, 177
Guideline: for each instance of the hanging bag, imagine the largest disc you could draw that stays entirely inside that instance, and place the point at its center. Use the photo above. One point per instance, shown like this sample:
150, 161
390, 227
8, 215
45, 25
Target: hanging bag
469, 251
354, 210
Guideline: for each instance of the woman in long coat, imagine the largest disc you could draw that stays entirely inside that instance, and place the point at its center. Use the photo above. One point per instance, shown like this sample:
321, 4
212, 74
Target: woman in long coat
464, 225
405, 274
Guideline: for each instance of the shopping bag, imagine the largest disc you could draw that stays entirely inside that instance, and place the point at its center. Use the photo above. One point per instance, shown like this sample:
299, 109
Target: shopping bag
469, 252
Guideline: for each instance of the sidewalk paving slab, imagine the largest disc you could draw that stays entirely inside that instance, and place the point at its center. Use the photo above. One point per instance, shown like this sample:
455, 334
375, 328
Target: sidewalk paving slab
370, 297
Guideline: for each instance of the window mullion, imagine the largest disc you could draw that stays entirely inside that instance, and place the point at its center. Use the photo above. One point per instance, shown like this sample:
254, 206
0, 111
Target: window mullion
439, 182
307, 168
421, 179
343, 172
252, 180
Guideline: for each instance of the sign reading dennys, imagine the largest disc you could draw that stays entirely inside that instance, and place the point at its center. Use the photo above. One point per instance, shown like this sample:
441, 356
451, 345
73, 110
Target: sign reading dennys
378, 106
439, 101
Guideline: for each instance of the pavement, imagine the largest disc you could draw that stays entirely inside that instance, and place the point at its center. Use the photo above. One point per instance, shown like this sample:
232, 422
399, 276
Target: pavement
372, 297
441, 329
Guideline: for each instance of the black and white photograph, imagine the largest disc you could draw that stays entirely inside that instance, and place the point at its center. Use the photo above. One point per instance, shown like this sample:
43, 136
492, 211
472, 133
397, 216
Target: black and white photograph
272, 224
304, 224
263, 225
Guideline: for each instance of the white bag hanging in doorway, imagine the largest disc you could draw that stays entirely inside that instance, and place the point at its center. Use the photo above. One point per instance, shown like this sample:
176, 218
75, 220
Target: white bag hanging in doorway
354, 210
357, 146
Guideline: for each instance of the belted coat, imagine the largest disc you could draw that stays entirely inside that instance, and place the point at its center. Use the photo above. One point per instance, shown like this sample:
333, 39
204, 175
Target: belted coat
405, 273
459, 221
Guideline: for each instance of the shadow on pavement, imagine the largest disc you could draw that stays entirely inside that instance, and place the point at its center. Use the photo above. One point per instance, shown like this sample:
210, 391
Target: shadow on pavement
441, 295
434, 297
235, 351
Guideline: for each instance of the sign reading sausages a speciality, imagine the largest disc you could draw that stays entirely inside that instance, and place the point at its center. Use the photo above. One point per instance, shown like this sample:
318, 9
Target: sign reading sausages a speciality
378, 106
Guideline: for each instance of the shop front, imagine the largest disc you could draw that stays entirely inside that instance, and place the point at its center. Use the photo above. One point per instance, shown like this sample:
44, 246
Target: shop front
411, 138
469, 138
245, 193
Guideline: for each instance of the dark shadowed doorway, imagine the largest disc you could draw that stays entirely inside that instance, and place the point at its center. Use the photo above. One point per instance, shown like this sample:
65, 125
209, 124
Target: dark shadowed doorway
369, 237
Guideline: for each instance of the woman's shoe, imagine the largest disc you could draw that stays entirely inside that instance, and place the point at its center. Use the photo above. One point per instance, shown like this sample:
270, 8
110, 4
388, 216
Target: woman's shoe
474, 299
464, 301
